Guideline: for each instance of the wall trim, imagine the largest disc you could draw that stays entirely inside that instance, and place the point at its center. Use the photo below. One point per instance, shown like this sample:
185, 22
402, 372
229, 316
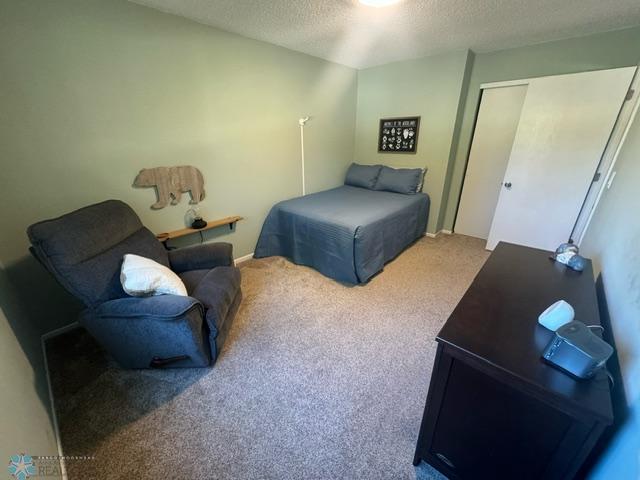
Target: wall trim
52, 403
505, 83
243, 259
439, 232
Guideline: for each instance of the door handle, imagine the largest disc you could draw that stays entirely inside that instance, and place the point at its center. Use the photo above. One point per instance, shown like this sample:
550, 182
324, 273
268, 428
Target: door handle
507, 185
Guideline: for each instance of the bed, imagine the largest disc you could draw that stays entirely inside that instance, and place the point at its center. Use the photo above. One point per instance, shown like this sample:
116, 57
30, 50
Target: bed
346, 233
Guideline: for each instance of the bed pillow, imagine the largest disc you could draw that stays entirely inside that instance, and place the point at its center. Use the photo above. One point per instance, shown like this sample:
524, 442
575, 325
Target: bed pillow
400, 180
364, 176
142, 277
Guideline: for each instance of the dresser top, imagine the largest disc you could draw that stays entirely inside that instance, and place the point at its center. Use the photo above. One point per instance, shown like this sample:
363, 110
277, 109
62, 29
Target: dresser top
496, 323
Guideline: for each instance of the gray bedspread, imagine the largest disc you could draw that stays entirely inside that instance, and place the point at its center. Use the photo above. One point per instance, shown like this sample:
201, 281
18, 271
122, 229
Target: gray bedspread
346, 233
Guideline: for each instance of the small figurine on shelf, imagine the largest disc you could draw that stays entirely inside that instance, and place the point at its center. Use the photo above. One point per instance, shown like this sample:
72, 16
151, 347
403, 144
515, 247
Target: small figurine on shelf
567, 254
194, 219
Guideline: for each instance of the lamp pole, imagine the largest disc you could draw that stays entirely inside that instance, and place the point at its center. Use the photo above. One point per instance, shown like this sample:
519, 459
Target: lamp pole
302, 122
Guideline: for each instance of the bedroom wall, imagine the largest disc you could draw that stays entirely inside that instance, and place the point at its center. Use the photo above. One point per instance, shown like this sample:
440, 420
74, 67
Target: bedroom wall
92, 91
24, 403
432, 87
612, 241
593, 52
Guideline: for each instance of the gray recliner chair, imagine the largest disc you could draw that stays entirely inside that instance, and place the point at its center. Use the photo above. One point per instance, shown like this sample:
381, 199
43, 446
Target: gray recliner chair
84, 250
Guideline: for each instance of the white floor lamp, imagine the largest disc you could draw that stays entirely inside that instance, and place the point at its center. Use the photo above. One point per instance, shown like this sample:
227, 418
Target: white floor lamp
302, 122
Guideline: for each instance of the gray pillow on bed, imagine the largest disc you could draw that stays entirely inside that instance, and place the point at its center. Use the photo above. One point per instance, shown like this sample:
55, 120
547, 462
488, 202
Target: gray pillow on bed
364, 176
400, 180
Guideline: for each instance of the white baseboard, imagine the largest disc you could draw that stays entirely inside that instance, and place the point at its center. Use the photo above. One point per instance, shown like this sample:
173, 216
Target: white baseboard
54, 415
243, 259
443, 232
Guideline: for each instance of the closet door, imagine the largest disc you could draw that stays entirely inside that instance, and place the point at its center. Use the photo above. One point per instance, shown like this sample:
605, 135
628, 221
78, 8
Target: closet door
565, 124
495, 130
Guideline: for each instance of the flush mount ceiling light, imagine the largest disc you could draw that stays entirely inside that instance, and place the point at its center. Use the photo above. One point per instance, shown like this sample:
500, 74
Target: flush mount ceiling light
378, 3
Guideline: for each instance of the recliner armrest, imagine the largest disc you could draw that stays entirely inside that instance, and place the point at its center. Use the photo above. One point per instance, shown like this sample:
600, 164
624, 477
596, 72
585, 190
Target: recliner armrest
161, 307
201, 257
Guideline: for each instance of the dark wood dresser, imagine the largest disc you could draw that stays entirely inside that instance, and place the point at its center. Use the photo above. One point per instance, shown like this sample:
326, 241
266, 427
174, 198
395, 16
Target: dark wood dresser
495, 409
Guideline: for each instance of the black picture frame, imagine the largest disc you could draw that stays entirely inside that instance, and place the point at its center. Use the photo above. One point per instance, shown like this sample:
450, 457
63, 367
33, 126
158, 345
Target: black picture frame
398, 141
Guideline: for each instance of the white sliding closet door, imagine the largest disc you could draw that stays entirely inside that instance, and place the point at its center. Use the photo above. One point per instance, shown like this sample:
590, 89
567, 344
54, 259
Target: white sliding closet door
565, 124
493, 136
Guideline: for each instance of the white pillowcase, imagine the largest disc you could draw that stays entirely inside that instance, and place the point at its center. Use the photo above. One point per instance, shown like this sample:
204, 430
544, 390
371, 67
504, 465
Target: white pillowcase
143, 277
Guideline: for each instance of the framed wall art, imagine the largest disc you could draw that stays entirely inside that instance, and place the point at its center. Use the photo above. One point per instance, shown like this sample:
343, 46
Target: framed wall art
398, 135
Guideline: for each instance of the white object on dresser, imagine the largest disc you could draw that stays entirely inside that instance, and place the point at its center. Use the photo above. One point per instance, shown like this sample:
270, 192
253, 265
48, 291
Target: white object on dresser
557, 315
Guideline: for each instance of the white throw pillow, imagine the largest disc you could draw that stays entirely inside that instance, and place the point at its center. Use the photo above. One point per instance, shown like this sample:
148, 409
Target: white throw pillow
142, 277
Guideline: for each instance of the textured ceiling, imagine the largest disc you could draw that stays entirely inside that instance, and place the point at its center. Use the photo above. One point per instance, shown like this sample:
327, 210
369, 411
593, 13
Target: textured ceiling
352, 34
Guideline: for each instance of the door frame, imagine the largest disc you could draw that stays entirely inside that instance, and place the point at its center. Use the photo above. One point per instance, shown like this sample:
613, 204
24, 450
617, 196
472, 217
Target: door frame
606, 172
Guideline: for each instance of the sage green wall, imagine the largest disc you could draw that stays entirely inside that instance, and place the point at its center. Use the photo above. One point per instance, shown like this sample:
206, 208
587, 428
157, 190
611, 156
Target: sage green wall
24, 403
430, 87
612, 241
608, 50
92, 91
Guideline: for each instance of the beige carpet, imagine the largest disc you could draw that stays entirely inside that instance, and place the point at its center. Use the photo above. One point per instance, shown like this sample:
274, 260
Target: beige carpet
317, 380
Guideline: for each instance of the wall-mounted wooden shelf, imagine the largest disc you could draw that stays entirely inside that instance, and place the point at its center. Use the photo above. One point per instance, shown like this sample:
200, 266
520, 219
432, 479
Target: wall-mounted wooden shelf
231, 221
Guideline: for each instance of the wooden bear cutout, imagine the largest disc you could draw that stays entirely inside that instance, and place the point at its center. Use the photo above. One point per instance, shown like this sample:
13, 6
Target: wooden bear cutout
171, 182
